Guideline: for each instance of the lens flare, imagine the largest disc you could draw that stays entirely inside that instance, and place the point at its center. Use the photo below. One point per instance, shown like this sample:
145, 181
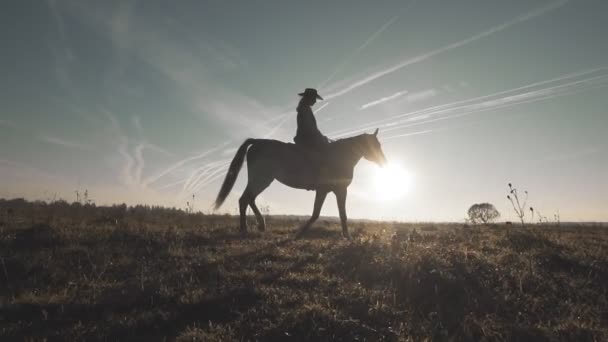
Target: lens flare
392, 182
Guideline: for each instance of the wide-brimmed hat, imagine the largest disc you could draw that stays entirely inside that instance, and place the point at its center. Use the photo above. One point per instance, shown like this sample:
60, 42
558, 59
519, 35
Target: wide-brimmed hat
311, 92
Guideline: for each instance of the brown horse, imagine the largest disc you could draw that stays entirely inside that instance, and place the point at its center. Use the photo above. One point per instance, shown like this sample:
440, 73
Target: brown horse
297, 167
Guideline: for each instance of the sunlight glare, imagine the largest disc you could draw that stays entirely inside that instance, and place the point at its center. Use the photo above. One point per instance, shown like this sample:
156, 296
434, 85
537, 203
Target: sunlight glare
391, 182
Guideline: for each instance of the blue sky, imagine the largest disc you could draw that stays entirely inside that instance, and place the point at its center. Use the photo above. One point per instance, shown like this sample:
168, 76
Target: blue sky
146, 101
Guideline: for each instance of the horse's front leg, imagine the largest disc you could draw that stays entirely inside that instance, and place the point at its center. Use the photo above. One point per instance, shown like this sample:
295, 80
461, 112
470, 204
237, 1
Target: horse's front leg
341, 198
319, 200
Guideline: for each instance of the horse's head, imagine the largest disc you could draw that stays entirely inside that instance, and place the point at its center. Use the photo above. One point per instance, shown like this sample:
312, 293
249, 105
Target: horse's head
372, 150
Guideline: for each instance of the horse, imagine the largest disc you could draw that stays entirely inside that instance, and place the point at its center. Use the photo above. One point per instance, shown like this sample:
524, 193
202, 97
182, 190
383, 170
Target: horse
326, 170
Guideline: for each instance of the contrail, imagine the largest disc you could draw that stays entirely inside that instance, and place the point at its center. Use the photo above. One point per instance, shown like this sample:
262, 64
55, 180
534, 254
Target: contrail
226, 162
211, 177
519, 19
139, 158
407, 134
190, 181
508, 101
214, 174
126, 171
438, 109
528, 97
383, 99
196, 176
466, 107
172, 184
522, 18
180, 163
357, 51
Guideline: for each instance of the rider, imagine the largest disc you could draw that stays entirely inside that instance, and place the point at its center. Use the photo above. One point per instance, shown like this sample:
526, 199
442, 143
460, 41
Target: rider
308, 133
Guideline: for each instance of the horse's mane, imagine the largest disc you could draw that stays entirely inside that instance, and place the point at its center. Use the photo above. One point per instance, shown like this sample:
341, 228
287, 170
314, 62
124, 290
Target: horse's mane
348, 140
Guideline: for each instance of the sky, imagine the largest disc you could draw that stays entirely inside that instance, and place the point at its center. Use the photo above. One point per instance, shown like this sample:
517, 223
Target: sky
147, 101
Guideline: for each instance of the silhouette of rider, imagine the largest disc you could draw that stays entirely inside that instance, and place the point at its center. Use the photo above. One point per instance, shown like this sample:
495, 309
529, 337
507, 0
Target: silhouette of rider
308, 133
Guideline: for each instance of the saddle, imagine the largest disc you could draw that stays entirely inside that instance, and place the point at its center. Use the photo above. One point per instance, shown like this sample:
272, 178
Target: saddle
316, 161
314, 153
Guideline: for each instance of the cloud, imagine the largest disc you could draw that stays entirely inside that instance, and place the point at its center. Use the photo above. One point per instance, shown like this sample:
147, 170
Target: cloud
421, 58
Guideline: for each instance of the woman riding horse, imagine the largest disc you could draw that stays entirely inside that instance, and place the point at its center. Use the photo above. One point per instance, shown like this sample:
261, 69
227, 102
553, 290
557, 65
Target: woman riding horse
308, 133
329, 170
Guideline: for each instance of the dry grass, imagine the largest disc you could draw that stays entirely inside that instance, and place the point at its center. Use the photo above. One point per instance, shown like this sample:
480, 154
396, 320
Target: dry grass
145, 276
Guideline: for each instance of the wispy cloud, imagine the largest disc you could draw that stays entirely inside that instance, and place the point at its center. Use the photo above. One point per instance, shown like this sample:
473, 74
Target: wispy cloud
189, 61
421, 58
64, 143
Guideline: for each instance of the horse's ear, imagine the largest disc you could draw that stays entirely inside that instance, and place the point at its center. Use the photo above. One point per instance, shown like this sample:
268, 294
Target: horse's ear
376, 132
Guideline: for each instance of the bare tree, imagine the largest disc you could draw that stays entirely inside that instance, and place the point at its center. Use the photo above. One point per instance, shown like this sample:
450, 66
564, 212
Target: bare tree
483, 213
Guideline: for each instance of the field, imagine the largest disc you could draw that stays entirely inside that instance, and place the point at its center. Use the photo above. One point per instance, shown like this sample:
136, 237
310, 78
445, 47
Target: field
74, 272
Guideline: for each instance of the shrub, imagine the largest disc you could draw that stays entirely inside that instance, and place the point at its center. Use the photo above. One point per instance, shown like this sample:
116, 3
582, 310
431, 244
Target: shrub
483, 213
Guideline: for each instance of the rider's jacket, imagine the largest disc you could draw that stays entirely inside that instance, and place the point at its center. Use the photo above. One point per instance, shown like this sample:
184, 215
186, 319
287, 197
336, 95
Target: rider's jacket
308, 133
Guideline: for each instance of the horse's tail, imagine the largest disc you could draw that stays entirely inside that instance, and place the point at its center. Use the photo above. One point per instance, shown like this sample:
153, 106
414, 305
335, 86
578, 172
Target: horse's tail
233, 172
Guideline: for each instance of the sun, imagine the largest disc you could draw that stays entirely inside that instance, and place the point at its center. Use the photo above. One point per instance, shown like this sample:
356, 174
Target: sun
392, 182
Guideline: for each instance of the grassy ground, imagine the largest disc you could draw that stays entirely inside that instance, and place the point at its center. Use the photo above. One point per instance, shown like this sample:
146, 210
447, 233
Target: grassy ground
76, 274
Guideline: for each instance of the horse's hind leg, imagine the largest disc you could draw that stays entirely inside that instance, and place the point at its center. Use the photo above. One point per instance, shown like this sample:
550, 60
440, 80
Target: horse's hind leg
243, 203
254, 188
258, 215
257, 188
